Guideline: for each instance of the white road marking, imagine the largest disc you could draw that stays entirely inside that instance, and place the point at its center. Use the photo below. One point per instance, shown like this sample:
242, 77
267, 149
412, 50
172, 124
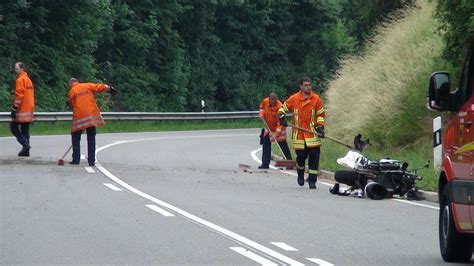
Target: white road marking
114, 188
89, 169
252, 256
284, 246
320, 262
190, 216
417, 204
254, 156
83, 157
159, 210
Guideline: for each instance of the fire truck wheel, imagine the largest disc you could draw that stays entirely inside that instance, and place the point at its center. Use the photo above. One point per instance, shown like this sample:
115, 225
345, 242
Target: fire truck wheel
455, 247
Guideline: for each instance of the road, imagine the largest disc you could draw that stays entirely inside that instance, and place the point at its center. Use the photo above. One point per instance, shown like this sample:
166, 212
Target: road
179, 198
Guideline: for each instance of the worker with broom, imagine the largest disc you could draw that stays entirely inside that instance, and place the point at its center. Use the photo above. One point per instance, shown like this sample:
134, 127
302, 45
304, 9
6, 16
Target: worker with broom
273, 131
308, 121
22, 109
85, 116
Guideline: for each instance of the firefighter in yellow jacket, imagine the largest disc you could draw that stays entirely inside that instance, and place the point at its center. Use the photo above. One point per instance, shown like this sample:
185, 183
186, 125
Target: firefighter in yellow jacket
269, 114
308, 113
22, 109
85, 116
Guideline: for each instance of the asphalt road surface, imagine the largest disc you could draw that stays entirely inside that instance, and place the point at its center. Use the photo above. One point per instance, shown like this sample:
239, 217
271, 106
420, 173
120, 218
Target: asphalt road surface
179, 198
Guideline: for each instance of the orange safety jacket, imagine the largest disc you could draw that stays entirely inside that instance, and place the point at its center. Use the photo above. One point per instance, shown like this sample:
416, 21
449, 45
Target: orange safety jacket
85, 112
307, 113
24, 102
270, 115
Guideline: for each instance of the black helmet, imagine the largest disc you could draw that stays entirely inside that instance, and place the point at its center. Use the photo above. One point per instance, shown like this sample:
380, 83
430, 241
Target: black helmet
375, 191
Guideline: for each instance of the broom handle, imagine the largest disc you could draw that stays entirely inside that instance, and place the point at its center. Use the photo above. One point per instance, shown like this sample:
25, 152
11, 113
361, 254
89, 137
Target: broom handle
327, 137
273, 137
70, 147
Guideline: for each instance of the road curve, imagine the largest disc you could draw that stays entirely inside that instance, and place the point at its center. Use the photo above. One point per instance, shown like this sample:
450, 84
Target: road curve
179, 198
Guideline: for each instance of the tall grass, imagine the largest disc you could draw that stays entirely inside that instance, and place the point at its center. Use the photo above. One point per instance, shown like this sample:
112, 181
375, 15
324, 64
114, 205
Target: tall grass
381, 93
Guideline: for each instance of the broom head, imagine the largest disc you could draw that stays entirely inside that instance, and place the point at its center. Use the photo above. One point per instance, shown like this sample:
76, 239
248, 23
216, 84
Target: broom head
285, 163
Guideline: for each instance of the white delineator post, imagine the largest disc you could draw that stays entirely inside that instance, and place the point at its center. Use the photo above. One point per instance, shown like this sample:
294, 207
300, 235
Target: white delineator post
437, 138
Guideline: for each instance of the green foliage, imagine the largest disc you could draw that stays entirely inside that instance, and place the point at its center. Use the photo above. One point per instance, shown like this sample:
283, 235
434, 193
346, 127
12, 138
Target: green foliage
457, 27
170, 55
362, 16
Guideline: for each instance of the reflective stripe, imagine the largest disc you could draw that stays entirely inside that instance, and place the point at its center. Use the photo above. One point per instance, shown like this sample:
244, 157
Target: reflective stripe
97, 120
320, 120
295, 131
298, 144
24, 114
285, 108
84, 125
300, 167
311, 121
313, 171
320, 111
17, 101
313, 142
23, 117
86, 118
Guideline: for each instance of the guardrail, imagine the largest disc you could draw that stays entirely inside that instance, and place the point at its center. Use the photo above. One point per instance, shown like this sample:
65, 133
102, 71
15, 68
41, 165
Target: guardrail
140, 116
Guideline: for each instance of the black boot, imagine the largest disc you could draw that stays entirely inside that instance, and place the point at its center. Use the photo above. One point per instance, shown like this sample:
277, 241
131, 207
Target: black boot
335, 189
300, 178
312, 181
25, 151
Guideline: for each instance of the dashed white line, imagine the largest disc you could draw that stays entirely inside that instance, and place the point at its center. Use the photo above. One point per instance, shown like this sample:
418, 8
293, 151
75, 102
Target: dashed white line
191, 217
89, 169
320, 262
284, 246
159, 210
252, 256
83, 157
114, 188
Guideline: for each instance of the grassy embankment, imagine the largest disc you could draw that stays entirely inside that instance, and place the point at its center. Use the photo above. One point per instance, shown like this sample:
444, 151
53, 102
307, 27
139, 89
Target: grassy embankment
382, 94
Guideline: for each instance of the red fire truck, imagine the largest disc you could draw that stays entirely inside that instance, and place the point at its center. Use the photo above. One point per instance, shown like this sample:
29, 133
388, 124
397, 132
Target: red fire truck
456, 177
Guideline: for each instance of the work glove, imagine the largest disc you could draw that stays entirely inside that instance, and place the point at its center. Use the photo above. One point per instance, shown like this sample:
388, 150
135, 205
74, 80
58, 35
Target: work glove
113, 91
320, 131
261, 136
282, 120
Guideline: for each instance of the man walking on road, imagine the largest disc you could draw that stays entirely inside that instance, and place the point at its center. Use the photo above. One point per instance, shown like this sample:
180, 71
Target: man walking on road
269, 114
22, 109
308, 113
85, 116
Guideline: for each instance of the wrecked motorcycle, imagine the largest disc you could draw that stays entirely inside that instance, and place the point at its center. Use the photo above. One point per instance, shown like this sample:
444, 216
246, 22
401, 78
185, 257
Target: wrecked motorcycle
377, 179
